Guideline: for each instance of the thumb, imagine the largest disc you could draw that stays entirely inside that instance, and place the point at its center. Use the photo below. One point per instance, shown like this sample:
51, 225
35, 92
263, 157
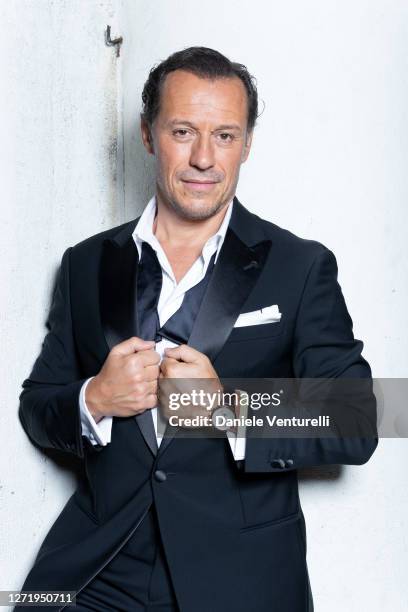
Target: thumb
183, 352
132, 345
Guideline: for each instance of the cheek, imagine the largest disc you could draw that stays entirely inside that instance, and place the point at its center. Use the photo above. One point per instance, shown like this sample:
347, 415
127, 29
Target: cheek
172, 152
231, 166
170, 163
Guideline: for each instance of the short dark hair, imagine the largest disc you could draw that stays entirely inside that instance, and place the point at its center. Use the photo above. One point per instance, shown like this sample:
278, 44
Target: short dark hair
203, 62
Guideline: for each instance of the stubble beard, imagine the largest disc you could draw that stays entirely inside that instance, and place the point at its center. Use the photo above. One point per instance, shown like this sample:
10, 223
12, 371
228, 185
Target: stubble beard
195, 214
189, 213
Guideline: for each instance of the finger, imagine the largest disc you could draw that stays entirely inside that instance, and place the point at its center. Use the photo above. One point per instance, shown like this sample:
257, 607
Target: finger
152, 387
184, 353
166, 363
138, 396
131, 345
149, 357
149, 402
151, 372
149, 386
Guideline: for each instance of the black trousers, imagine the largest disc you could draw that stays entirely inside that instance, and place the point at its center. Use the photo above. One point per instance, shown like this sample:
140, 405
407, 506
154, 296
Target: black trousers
137, 579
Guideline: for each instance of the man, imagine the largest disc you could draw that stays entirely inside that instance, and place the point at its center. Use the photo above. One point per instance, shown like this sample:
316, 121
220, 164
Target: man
186, 523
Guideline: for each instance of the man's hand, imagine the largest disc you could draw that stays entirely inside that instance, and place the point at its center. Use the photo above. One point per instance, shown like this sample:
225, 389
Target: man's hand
127, 383
177, 370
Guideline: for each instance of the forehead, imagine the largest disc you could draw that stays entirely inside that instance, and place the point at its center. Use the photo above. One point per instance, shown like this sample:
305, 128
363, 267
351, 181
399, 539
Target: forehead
186, 96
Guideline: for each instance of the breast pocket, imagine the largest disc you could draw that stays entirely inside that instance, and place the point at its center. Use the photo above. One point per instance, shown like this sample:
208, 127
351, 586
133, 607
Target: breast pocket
263, 330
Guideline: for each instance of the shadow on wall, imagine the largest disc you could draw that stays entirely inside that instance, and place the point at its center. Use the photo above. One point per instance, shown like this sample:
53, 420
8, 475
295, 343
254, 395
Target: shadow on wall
321, 472
139, 174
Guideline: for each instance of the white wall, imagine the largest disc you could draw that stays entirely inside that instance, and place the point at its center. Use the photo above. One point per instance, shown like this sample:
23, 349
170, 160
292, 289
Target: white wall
327, 163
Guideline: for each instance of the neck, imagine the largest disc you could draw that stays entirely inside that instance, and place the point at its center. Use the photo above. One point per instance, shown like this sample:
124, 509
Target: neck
177, 232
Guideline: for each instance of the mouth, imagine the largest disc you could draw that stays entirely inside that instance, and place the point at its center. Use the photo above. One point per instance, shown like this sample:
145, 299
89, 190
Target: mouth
200, 185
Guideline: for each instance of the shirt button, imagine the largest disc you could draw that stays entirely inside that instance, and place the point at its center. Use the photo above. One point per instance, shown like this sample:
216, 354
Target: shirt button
160, 476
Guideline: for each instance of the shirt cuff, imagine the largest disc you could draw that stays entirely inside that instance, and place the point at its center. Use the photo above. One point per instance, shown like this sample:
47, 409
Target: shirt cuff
237, 445
238, 441
97, 433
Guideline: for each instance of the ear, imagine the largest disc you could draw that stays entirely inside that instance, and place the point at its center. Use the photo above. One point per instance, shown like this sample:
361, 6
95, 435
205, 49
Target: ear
247, 146
147, 137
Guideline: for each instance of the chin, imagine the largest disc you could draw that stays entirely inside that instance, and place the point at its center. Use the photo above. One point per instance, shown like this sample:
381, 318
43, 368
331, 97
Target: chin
196, 209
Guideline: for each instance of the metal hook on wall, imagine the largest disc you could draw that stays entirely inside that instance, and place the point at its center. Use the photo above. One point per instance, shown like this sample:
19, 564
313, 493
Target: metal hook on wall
116, 42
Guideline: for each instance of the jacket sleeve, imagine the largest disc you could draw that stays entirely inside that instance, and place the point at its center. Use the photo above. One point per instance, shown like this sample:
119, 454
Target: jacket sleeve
48, 408
324, 347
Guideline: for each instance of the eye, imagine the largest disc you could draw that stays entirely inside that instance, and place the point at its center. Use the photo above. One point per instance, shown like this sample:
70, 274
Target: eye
180, 132
226, 137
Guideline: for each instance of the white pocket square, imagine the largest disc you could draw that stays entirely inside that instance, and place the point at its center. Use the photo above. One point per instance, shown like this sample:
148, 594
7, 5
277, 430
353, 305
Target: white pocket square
269, 314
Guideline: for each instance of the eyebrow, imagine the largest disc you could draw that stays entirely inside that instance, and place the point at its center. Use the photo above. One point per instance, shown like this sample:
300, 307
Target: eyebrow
230, 126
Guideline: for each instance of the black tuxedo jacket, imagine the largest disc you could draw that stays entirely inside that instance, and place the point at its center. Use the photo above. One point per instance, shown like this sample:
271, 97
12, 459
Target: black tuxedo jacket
233, 532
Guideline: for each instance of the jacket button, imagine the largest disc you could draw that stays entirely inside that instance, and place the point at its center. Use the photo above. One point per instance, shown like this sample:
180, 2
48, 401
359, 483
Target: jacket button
278, 463
160, 476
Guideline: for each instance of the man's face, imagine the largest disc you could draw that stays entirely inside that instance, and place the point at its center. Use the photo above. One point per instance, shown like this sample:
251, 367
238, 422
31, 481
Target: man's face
200, 140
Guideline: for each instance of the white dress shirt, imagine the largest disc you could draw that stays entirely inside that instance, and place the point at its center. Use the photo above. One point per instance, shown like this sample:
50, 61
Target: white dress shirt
170, 299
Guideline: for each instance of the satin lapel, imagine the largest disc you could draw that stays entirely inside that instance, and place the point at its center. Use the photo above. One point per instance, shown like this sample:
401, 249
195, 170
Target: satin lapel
117, 291
237, 269
118, 300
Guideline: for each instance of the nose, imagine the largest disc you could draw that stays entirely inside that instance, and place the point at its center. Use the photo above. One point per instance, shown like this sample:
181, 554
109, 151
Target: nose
202, 153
